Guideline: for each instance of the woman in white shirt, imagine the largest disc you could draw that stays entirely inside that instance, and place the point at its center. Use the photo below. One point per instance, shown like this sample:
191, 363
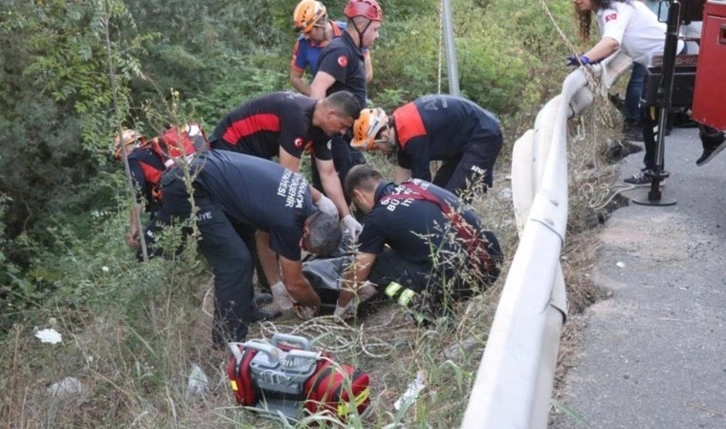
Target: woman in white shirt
624, 24
632, 27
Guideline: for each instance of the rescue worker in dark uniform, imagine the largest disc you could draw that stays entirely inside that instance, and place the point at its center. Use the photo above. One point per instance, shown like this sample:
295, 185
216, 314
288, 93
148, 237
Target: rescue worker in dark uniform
287, 124
410, 233
310, 18
146, 168
445, 128
341, 67
232, 192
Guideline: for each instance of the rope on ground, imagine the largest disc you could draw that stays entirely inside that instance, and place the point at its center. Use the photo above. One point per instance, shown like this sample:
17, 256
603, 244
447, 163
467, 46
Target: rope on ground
599, 197
204, 300
329, 333
581, 134
344, 337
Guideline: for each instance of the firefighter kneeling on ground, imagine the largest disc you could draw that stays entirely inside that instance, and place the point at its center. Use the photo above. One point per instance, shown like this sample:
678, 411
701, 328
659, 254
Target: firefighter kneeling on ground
420, 244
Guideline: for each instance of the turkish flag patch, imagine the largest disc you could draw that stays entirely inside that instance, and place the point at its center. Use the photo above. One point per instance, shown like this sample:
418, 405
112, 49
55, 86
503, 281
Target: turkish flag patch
298, 143
612, 17
342, 61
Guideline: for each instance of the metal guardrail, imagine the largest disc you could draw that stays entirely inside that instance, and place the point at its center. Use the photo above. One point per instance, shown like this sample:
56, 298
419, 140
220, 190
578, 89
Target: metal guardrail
513, 386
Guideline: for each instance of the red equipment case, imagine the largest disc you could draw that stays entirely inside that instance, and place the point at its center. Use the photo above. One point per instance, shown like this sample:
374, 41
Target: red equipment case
709, 99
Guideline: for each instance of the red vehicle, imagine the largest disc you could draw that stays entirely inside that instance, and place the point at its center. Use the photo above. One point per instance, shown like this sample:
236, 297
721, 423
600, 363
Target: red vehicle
709, 107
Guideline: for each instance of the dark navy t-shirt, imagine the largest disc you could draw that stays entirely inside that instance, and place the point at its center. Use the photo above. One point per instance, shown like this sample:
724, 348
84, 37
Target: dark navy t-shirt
258, 193
411, 227
343, 60
260, 126
146, 170
439, 127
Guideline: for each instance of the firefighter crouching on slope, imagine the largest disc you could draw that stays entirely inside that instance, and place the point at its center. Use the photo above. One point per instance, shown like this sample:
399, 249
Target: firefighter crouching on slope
146, 167
466, 137
148, 162
411, 233
236, 193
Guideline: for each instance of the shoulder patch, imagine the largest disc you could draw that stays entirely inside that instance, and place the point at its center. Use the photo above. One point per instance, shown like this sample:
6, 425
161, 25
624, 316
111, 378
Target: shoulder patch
611, 17
342, 61
298, 143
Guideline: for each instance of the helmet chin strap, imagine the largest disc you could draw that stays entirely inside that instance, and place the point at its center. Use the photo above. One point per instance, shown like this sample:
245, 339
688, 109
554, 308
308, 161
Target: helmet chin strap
361, 33
326, 32
393, 141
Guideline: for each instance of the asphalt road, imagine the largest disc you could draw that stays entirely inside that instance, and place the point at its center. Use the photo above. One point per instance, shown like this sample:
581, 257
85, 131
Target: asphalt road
654, 352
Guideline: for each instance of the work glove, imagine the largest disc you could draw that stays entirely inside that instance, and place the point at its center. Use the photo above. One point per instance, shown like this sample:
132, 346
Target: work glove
327, 206
304, 312
281, 297
352, 226
582, 60
364, 293
344, 312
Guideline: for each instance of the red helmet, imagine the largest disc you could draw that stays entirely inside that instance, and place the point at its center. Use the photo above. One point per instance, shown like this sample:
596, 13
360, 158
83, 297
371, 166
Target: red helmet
366, 8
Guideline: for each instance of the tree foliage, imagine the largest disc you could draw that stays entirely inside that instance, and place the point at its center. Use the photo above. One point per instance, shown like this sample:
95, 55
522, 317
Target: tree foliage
56, 116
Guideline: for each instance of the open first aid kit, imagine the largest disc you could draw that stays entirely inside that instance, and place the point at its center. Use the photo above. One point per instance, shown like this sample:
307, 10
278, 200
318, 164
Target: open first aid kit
286, 376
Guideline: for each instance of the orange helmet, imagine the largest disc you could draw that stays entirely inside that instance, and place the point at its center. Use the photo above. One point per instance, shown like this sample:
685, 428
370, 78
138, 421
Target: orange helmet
366, 8
307, 13
129, 138
367, 126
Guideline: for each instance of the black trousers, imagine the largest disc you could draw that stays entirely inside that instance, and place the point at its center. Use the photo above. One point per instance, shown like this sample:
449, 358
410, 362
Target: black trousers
229, 256
419, 277
478, 158
389, 267
247, 234
422, 277
152, 229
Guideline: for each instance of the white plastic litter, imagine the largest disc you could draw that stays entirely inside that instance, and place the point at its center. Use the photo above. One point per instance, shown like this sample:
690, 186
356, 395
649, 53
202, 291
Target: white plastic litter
620, 264
457, 349
67, 387
49, 336
506, 193
198, 381
411, 394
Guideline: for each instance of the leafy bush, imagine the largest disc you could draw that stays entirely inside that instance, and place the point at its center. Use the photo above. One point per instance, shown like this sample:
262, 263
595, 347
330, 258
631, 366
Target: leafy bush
241, 81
